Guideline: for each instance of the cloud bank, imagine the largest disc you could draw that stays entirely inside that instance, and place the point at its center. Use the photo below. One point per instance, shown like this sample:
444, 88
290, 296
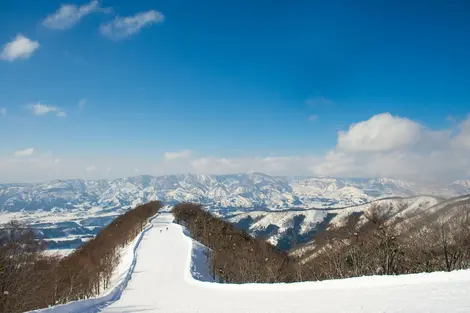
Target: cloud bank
176, 155
383, 145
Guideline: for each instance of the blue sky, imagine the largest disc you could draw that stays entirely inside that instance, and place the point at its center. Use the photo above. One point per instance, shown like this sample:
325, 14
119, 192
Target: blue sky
240, 81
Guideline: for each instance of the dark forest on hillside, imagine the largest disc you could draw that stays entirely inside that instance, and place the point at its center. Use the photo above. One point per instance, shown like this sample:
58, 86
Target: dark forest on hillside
236, 256
377, 247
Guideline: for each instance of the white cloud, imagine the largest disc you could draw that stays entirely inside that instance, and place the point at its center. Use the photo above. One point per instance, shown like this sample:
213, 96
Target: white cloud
313, 118
24, 153
462, 139
383, 145
430, 155
286, 165
82, 103
123, 27
382, 132
176, 155
213, 165
68, 15
42, 109
3, 111
90, 168
400, 148
20, 48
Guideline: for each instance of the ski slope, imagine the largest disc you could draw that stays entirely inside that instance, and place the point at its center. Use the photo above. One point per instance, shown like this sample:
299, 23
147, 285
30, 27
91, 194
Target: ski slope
163, 281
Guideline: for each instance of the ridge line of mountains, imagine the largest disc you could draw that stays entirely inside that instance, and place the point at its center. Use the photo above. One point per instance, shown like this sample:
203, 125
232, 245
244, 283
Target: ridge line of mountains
237, 191
67, 212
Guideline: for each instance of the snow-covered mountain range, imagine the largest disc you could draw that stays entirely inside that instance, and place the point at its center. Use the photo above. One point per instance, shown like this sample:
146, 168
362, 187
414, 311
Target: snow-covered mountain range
254, 190
76, 209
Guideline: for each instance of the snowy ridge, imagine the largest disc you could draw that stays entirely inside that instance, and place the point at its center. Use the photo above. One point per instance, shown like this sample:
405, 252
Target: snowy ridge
67, 213
391, 208
253, 190
163, 282
279, 227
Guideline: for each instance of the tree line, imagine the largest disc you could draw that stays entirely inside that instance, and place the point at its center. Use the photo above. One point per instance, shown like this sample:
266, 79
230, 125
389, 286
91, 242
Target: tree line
376, 246
236, 256
380, 246
372, 244
31, 280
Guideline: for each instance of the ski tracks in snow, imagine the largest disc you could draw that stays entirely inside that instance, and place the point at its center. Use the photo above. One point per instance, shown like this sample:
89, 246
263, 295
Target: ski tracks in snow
169, 276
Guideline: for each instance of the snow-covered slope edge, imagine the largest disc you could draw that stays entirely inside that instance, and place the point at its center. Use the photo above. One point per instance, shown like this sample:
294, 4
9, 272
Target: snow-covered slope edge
167, 285
118, 283
347, 283
200, 256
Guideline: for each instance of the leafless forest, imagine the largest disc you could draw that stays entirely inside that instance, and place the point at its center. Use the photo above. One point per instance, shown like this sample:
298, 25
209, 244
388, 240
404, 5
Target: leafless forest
30, 280
379, 246
367, 245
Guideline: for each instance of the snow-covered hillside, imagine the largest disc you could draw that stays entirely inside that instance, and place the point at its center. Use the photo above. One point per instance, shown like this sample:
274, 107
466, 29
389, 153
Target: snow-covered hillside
164, 280
253, 190
289, 227
66, 213
390, 208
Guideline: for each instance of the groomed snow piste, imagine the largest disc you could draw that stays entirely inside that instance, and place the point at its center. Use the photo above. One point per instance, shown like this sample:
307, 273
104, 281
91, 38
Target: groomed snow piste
162, 280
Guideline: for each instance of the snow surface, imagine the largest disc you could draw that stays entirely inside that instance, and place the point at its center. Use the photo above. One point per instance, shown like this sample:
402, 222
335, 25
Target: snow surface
166, 273
92, 204
118, 282
253, 190
285, 220
390, 208
58, 252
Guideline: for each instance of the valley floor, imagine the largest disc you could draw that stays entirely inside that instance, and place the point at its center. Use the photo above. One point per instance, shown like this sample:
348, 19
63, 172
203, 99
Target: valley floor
162, 281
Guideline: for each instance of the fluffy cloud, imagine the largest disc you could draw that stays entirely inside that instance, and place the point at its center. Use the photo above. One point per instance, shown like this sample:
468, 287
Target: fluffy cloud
407, 151
123, 27
68, 15
176, 155
24, 153
42, 109
397, 147
20, 48
383, 145
462, 139
383, 132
